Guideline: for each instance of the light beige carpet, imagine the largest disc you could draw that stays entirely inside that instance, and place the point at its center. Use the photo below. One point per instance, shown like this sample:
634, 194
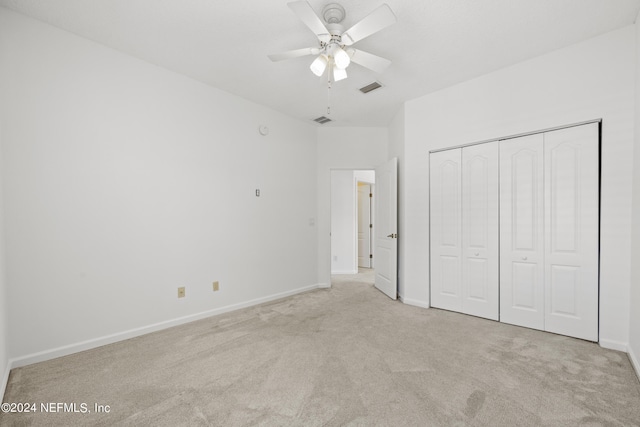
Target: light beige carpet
343, 356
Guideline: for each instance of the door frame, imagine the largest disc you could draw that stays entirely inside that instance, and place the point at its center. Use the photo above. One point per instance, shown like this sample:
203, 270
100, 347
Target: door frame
355, 217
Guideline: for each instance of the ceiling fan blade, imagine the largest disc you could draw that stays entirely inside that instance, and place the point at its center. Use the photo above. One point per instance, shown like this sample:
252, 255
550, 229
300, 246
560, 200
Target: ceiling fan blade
370, 61
306, 14
290, 54
380, 18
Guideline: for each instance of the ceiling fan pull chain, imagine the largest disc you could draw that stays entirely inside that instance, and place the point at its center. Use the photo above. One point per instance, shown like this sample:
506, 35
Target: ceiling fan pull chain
329, 94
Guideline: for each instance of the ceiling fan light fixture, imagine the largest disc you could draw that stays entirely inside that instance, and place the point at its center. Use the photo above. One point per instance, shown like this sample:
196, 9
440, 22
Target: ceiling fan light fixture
339, 74
341, 58
319, 65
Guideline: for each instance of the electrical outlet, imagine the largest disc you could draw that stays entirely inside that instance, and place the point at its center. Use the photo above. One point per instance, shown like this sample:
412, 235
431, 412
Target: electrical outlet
181, 292
216, 286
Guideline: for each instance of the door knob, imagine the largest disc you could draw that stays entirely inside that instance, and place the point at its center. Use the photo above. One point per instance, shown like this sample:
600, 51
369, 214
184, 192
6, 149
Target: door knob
393, 235
477, 253
524, 258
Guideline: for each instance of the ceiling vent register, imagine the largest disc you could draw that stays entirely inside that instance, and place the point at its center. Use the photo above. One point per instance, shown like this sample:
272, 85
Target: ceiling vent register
322, 120
370, 87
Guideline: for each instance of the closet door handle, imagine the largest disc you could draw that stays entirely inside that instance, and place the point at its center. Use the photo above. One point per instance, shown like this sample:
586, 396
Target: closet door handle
477, 253
524, 258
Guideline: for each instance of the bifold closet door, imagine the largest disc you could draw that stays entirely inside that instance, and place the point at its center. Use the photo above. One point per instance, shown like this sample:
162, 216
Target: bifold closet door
571, 231
464, 230
522, 231
480, 285
549, 231
446, 229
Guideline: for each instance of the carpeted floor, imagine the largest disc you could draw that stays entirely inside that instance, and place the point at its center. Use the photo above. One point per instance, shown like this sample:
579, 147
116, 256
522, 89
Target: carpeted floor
341, 356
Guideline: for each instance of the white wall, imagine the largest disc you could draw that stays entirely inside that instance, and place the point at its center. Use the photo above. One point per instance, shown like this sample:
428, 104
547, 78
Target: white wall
366, 176
342, 148
4, 316
124, 181
634, 329
343, 222
396, 149
590, 80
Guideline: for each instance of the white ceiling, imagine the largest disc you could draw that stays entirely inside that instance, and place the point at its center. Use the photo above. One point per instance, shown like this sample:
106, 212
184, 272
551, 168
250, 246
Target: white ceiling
434, 44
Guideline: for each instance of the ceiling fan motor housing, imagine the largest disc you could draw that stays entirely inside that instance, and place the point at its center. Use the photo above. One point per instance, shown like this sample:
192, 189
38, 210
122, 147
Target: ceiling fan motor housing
336, 31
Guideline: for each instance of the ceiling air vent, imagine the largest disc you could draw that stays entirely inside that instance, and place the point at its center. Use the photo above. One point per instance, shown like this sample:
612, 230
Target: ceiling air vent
370, 87
322, 120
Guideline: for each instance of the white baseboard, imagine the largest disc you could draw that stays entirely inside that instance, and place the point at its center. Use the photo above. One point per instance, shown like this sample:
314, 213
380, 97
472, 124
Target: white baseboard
324, 285
344, 272
614, 345
414, 302
5, 380
635, 362
120, 336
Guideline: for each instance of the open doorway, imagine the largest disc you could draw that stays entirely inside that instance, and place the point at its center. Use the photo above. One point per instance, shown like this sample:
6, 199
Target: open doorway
343, 225
352, 223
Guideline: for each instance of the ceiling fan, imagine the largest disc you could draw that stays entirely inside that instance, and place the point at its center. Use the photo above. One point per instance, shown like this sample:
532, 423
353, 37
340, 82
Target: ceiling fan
334, 51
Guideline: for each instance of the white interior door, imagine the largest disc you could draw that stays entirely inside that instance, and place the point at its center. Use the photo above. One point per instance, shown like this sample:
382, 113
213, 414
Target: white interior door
571, 234
446, 228
522, 231
386, 229
364, 225
480, 281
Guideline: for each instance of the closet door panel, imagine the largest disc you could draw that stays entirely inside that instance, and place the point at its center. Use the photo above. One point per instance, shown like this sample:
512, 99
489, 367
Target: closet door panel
521, 231
571, 234
446, 229
480, 230
525, 278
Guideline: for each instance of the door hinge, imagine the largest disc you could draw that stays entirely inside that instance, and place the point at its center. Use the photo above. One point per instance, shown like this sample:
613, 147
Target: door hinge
370, 194
370, 225
370, 255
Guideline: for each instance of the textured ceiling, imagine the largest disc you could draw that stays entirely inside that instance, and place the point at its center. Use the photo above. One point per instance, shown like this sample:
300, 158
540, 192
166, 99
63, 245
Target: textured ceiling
435, 44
